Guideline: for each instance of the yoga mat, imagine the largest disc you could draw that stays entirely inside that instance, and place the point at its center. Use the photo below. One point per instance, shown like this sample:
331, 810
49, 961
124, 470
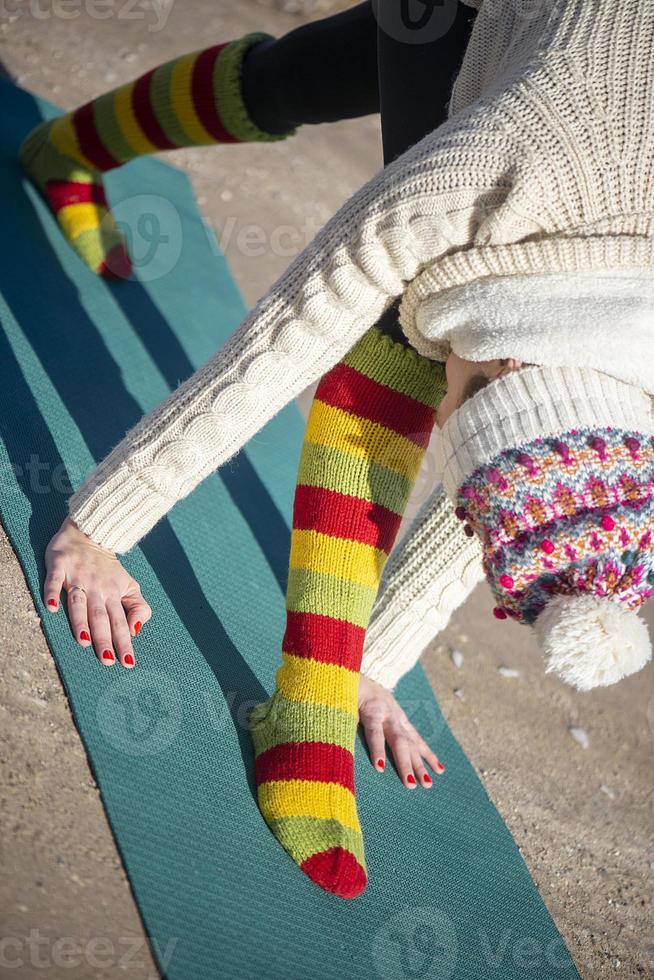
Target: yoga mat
80, 361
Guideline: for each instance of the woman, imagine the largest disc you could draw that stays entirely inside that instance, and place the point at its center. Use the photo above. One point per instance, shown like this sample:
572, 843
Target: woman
530, 176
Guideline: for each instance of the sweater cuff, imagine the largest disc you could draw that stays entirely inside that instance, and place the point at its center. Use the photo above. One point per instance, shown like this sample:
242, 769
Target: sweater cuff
116, 507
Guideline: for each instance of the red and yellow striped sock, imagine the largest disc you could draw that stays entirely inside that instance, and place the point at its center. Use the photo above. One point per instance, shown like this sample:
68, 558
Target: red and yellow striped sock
367, 431
194, 100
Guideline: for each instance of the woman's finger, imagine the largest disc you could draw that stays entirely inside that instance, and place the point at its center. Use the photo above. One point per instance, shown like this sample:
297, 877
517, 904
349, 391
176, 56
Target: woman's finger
422, 775
376, 743
122, 641
79, 621
100, 629
54, 582
137, 610
399, 746
430, 757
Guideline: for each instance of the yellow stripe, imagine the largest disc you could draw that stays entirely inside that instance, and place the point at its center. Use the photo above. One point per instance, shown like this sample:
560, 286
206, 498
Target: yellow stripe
76, 218
62, 135
352, 560
305, 798
128, 122
182, 100
363, 439
313, 682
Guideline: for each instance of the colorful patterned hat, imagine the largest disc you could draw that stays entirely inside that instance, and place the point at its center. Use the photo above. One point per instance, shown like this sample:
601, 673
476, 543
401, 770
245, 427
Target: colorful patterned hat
553, 469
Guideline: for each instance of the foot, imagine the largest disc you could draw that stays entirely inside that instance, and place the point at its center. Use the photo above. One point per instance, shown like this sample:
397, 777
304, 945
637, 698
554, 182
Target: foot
305, 788
75, 193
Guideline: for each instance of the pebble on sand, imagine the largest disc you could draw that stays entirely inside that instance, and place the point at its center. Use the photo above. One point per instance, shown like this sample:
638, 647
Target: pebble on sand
458, 693
457, 658
580, 736
508, 671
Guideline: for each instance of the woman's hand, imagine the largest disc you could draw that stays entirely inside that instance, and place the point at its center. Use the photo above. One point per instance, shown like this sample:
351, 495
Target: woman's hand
383, 720
104, 603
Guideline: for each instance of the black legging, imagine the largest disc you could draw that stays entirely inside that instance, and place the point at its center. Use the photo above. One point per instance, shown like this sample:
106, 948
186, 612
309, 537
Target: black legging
395, 57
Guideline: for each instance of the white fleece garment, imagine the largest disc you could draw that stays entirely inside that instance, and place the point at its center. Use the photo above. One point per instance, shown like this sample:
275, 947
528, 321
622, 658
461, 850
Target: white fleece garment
600, 320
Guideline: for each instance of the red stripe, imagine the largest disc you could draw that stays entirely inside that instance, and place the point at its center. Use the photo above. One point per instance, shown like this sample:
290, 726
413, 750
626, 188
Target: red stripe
88, 139
61, 193
348, 389
203, 94
337, 871
322, 638
321, 762
145, 115
343, 516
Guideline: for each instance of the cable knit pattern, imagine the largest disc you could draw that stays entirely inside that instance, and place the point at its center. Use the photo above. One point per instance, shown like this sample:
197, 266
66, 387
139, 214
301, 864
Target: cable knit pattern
431, 574
550, 139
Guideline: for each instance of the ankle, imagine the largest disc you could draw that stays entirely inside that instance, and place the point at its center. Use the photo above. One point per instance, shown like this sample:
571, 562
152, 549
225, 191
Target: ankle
261, 90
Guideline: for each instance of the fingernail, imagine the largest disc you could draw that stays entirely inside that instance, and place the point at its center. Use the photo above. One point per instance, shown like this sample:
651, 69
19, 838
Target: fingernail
440, 768
137, 628
128, 659
381, 764
53, 603
84, 636
108, 656
427, 779
411, 779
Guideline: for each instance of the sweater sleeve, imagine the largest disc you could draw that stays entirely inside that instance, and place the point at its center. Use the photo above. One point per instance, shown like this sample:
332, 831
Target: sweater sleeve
432, 572
423, 205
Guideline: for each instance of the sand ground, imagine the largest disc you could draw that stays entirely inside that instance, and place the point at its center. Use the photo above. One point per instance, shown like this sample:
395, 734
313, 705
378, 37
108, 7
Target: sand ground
582, 816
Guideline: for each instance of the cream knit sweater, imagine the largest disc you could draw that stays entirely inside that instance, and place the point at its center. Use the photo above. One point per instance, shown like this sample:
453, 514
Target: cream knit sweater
544, 166
427, 577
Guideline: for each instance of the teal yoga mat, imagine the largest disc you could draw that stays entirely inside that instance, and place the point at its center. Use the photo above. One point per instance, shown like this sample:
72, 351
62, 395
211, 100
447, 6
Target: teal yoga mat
80, 361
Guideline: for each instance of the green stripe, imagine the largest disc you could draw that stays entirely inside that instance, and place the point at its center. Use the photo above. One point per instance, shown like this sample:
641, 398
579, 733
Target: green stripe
108, 129
329, 595
92, 246
332, 469
280, 720
160, 86
227, 92
401, 368
304, 836
44, 162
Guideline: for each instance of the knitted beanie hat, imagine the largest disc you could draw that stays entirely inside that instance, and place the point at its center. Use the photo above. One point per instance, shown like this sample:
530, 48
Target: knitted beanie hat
553, 468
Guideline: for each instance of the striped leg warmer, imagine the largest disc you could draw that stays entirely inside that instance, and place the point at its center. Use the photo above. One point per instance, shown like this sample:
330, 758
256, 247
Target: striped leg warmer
366, 435
194, 100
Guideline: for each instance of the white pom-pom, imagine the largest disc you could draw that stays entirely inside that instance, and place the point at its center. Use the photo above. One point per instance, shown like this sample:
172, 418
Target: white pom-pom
590, 641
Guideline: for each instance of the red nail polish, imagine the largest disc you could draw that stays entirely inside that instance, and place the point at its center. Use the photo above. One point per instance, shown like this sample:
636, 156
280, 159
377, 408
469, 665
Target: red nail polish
381, 764
129, 659
84, 636
108, 656
137, 627
440, 769
427, 779
53, 603
411, 779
